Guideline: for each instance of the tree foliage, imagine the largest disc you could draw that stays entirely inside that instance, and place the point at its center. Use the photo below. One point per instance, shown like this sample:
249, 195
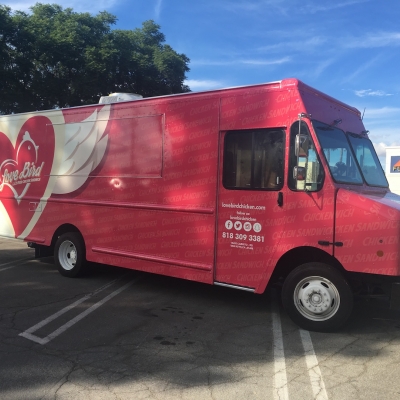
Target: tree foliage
55, 57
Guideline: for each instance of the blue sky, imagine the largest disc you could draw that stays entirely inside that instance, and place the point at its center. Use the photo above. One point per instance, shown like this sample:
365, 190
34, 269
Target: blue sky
348, 49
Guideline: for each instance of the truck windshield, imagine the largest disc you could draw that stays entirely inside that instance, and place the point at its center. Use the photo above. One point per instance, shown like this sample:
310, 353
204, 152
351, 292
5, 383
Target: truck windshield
351, 158
367, 160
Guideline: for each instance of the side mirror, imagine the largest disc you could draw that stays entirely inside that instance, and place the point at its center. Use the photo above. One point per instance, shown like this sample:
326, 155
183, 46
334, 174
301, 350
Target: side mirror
299, 173
302, 145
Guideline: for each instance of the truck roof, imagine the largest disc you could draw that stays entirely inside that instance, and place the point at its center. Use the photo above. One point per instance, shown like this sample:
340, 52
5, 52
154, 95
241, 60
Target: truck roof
288, 83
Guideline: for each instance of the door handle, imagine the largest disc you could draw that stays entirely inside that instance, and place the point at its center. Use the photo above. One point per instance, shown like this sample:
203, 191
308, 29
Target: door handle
280, 199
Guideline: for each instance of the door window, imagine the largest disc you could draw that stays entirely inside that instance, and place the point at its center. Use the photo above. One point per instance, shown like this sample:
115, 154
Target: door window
254, 159
313, 178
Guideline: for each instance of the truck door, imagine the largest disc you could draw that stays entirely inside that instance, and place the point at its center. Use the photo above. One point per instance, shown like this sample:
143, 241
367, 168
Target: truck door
251, 175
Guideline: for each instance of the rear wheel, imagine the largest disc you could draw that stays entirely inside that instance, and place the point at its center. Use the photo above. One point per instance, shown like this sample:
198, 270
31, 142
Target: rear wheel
317, 297
69, 254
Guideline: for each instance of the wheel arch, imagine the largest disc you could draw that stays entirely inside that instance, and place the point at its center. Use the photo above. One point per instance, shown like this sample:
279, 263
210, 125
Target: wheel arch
298, 256
65, 228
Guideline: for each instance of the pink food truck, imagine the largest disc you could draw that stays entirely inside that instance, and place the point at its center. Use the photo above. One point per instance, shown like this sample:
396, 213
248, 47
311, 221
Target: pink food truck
243, 187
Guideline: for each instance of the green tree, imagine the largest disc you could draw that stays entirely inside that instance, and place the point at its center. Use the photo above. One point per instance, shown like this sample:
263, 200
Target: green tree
55, 57
13, 66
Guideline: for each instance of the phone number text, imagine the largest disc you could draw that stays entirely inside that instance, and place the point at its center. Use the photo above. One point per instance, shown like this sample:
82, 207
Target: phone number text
243, 236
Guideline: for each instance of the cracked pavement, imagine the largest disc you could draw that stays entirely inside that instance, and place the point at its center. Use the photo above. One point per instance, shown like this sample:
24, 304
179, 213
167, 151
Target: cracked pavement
164, 338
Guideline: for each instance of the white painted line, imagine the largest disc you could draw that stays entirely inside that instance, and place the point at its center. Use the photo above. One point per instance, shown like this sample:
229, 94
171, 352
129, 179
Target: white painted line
28, 333
314, 372
66, 309
4, 269
82, 315
16, 262
34, 338
280, 388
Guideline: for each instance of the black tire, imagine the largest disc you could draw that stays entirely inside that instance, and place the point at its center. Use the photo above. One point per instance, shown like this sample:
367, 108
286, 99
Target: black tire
317, 297
70, 255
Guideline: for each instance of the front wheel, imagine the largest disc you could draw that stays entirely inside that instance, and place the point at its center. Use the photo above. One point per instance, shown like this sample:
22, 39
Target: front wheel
69, 254
317, 297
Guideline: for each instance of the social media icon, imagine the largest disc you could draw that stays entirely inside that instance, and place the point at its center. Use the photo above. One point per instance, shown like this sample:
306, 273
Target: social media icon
247, 226
228, 224
257, 227
238, 225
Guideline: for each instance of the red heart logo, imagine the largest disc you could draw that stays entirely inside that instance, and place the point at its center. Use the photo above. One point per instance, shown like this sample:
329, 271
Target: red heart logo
25, 169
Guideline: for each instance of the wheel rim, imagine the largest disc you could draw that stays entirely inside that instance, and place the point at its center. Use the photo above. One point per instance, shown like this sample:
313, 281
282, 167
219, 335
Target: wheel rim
316, 298
67, 255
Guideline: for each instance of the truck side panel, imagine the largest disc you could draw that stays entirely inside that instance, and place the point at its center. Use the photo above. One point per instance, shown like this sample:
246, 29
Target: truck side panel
150, 202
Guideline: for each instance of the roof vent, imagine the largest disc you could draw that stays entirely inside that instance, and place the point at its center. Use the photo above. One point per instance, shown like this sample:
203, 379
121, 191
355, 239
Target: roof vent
117, 97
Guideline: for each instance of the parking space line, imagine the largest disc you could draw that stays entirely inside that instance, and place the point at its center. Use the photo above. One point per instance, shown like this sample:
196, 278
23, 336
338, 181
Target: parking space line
70, 307
28, 333
314, 372
280, 377
5, 269
18, 262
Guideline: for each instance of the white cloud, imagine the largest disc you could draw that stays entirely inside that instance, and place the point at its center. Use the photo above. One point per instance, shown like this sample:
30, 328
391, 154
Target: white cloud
380, 148
286, 7
241, 61
363, 68
382, 131
265, 62
369, 92
384, 128
92, 6
383, 136
308, 44
314, 8
319, 68
380, 39
383, 112
20, 5
198, 85
256, 6
157, 9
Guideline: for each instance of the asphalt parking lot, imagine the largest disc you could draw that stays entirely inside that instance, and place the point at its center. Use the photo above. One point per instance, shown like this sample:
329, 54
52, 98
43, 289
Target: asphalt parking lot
120, 334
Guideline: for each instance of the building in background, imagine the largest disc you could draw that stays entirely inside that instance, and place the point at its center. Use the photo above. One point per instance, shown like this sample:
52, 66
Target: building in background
393, 168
